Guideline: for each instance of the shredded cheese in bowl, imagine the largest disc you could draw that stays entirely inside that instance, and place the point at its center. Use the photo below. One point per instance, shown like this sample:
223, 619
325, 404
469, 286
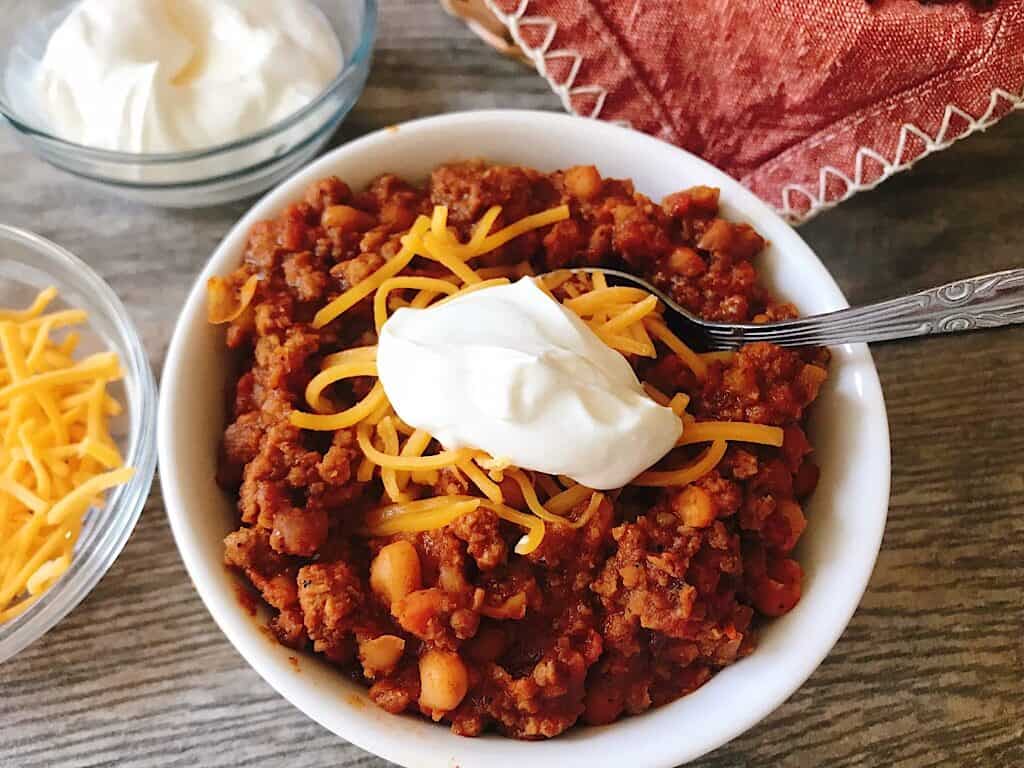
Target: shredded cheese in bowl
57, 456
628, 320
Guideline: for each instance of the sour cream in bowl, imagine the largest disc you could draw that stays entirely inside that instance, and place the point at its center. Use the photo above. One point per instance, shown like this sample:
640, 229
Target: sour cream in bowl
153, 76
182, 104
510, 371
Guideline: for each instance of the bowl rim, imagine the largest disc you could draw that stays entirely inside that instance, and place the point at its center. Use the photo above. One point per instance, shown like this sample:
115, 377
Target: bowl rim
321, 134
362, 53
367, 732
101, 547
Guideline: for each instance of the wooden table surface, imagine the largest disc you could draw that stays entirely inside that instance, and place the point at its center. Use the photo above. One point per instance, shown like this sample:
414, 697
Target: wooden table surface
929, 672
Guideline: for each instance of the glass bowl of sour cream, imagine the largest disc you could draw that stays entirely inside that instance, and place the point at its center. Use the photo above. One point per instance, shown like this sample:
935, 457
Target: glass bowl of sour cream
182, 103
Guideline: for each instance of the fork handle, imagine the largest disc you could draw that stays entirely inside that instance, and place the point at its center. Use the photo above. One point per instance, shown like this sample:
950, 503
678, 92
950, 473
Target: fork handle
986, 301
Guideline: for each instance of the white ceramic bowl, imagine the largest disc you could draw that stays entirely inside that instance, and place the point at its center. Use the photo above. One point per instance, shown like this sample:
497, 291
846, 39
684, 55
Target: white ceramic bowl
846, 516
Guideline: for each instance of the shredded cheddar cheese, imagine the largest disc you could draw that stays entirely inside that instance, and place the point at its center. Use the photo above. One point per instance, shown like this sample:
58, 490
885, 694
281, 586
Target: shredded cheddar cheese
706, 462
57, 456
704, 431
222, 306
407, 461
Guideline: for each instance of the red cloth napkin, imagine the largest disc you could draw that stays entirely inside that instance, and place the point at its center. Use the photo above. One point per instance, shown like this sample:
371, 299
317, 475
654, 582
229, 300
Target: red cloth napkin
806, 102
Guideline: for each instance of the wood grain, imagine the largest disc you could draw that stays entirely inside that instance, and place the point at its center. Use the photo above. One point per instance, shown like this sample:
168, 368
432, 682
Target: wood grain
931, 669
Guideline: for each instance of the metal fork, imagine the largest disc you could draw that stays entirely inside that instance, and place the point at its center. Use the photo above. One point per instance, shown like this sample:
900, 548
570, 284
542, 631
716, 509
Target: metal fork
986, 301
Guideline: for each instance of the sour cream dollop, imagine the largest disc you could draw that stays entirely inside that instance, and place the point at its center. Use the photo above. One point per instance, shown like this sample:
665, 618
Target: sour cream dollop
176, 75
509, 371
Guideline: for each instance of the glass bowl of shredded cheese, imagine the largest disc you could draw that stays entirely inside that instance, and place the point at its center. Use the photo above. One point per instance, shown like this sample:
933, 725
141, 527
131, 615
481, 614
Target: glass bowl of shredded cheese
77, 433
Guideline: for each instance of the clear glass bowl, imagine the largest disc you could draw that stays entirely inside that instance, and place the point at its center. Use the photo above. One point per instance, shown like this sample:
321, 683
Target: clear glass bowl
192, 179
29, 263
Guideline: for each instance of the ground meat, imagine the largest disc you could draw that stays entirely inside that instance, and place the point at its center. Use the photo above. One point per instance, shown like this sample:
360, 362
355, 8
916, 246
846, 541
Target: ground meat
397, 692
295, 531
565, 244
304, 276
480, 530
336, 467
327, 192
763, 384
331, 596
240, 445
397, 202
470, 189
644, 602
353, 271
639, 236
274, 576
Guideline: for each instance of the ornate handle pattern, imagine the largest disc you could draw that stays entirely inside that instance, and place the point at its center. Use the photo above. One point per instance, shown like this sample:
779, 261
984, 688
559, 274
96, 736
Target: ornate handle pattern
986, 301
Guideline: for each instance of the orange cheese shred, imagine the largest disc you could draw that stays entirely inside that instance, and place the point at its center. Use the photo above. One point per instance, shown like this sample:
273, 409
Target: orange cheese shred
740, 431
57, 457
222, 306
706, 462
